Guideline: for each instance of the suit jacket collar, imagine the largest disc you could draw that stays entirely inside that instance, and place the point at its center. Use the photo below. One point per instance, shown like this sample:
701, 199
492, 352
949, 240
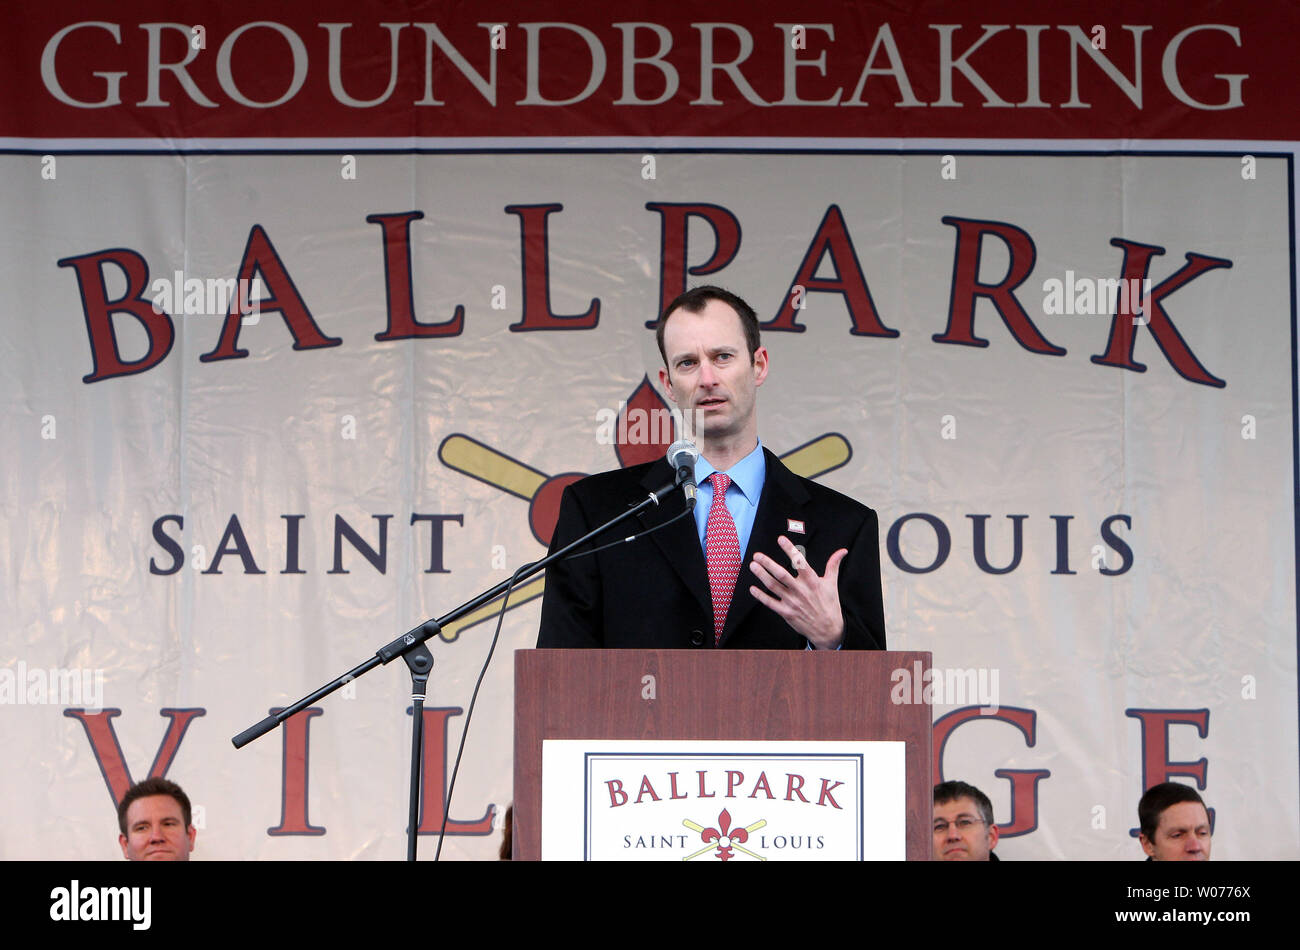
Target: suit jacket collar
679, 543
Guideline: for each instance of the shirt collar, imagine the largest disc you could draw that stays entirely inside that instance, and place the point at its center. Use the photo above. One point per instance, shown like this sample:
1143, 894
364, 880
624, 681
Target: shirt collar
747, 474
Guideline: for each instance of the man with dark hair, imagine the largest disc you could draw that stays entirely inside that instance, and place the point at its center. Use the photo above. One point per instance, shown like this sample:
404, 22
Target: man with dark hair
770, 560
963, 824
694, 301
155, 822
1173, 823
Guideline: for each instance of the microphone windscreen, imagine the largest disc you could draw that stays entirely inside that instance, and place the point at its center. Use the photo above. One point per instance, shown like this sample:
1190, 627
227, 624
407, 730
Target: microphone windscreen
682, 452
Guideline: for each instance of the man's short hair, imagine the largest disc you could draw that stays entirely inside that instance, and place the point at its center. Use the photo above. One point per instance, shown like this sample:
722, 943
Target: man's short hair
946, 792
694, 300
1159, 797
153, 786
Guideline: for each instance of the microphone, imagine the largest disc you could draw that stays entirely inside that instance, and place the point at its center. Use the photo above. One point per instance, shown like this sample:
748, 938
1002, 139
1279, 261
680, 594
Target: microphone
681, 456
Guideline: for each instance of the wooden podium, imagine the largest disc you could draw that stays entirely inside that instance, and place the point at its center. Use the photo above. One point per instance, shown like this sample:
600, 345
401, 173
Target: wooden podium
723, 695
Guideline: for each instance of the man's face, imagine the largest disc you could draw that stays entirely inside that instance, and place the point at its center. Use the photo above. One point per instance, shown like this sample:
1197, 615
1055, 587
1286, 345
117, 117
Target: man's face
710, 375
960, 832
155, 831
1182, 834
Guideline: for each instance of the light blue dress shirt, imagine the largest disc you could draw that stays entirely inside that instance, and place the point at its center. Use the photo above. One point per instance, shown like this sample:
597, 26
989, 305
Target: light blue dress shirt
747, 477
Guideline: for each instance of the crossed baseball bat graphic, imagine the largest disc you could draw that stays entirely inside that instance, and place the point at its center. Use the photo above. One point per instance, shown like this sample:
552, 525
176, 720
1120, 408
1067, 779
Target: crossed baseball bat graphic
542, 492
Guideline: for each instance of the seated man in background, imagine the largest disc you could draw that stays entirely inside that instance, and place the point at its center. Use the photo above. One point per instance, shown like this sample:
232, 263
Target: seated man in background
155, 822
963, 824
1173, 823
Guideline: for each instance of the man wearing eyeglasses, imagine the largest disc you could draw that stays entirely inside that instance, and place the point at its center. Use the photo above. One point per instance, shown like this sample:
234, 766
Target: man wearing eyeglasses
963, 824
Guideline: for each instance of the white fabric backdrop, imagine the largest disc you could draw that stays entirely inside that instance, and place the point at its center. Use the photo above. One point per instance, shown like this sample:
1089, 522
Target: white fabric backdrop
1204, 619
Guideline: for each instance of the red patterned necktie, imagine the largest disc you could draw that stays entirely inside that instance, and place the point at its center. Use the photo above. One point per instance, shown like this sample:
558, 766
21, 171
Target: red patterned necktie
722, 552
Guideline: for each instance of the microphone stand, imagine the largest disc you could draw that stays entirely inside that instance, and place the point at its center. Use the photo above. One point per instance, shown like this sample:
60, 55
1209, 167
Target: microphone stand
410, 647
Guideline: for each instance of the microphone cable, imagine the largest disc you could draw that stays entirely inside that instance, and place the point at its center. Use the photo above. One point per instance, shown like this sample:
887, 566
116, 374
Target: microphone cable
469, 713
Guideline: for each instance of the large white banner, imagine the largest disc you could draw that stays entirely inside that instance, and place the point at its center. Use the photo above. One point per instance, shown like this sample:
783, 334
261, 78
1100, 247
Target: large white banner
1086, 496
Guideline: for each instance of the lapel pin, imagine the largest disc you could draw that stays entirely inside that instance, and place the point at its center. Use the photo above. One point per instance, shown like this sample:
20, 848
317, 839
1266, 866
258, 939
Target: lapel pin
793, 526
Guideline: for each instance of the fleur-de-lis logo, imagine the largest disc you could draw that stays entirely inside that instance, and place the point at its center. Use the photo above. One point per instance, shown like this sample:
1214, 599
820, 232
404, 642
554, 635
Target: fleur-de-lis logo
723, 840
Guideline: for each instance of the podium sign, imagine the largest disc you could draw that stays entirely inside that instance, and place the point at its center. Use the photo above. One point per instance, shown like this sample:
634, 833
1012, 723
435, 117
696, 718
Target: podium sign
705, 800
720, 755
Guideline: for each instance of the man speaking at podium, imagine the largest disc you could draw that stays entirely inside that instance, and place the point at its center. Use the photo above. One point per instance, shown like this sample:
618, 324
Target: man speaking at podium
810, 574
